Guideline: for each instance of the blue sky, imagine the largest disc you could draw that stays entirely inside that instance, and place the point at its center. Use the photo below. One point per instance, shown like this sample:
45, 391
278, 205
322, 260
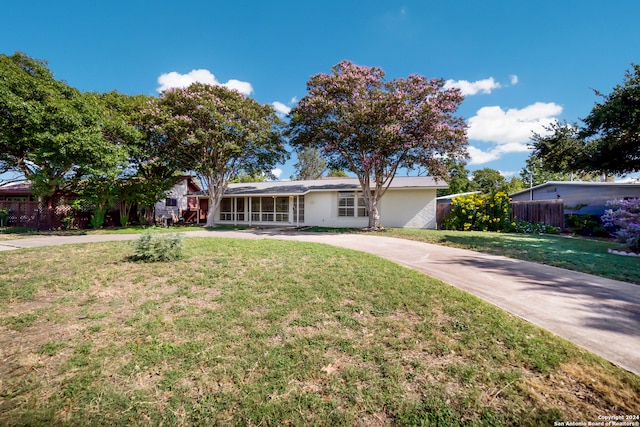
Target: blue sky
521, 64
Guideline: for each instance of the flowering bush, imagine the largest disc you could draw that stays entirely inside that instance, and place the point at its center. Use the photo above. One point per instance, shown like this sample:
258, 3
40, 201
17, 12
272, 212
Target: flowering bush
538, 228
624, 222
479, 212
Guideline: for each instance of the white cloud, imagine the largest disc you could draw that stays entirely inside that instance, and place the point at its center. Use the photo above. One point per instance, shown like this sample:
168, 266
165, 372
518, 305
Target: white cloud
277, 172
513, 126
507, 174
514, 79
510, 131
175, 79
242, 87
479, 157
281, 108
472, 88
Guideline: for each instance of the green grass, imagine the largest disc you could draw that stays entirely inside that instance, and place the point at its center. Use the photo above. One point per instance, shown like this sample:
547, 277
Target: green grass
12, 232
573, 253
266, 332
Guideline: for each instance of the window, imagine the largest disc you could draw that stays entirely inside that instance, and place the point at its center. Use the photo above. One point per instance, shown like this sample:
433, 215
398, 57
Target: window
351, 204
171, 202
225, 210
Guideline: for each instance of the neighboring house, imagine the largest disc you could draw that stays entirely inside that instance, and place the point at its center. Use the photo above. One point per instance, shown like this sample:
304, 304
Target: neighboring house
177, 206
585, 198
17, 192
337, 202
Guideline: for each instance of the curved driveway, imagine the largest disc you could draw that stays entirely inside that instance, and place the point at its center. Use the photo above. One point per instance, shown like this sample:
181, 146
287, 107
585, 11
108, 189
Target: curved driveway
600, 315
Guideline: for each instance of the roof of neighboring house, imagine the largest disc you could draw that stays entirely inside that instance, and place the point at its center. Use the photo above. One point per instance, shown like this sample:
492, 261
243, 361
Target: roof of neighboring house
452, 196
16, 188
599, 185
336, 184
191, 182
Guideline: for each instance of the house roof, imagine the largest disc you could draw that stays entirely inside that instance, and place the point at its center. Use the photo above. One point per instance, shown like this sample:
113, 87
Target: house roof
16, 188
599, 185
453, 196
293, 188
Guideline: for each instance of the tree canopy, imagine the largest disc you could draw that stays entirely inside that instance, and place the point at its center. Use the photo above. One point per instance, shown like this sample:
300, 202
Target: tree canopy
615, 125
372, 127
50, 132
217, 133
607, 143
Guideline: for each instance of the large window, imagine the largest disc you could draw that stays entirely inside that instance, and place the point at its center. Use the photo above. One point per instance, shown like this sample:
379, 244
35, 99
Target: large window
171, 201
351, 204
270, 209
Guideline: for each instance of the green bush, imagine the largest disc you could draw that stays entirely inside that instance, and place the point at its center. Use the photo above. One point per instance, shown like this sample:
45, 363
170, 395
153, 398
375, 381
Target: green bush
585, 225
157, 247
538, 228
480, 213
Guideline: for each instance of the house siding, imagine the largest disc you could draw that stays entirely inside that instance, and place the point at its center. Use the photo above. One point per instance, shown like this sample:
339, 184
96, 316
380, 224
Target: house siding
177, 192
321, 210
409, 209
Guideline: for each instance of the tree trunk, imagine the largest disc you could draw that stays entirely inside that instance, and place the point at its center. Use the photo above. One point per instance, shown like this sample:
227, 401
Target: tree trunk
211, 214
374, 216
215, 191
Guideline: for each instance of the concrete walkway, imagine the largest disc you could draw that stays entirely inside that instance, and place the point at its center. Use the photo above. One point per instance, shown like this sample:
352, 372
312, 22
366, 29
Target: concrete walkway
600, 315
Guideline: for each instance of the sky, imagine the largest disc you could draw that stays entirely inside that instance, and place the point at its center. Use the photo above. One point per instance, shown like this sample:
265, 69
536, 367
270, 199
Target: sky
521, 65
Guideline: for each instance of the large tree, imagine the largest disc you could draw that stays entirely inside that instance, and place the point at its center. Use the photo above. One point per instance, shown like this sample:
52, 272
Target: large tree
50, 132
373, 128
609, 141
489, 181
218, 133
614, 126
458, 179
310, 164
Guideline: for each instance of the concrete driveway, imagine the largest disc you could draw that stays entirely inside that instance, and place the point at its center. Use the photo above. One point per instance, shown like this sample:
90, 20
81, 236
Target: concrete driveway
600, 315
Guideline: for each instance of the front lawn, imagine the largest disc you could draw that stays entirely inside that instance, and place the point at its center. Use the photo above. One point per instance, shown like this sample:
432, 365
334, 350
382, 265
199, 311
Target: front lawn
573, 253
267, 332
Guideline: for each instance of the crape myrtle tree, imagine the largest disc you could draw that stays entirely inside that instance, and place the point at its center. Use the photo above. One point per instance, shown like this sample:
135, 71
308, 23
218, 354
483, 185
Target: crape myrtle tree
372, 127
217, 133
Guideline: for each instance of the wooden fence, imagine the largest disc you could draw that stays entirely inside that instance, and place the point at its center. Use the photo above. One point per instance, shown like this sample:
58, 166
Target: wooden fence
34, 215
442, 210
27, 214
550, 212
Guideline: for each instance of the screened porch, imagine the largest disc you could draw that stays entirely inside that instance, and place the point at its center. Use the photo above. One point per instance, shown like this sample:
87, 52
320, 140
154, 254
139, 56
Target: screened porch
262, 210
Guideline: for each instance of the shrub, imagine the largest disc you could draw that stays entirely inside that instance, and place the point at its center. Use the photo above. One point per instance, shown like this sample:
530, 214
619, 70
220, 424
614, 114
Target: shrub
157, 247
623, 221
480, 213
538, 228
4, 217
585, 225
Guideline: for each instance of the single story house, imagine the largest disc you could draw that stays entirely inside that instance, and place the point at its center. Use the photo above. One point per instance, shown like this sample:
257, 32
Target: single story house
176, 204
331, 202
584, 198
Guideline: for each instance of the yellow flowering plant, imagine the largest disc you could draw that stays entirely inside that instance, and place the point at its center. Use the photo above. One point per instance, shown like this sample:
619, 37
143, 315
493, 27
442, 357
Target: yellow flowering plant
480, 212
